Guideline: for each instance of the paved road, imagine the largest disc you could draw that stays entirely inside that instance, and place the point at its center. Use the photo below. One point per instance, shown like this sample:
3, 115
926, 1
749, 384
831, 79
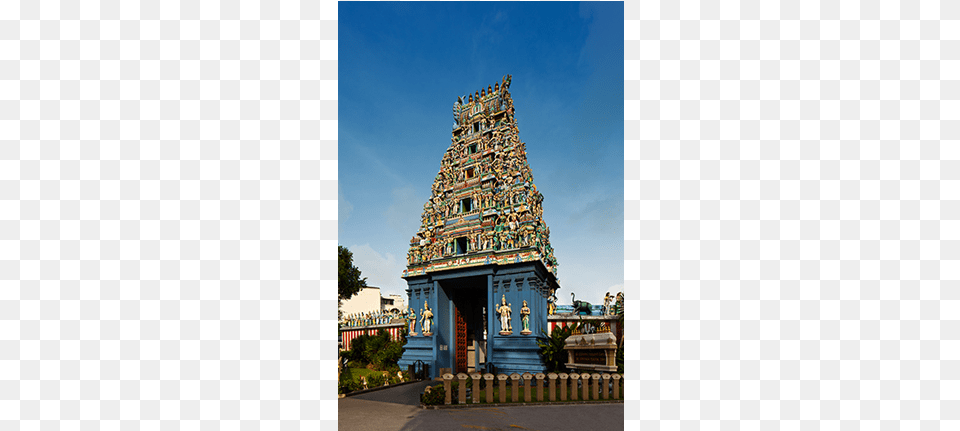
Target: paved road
576, 417
383, 410
397, 409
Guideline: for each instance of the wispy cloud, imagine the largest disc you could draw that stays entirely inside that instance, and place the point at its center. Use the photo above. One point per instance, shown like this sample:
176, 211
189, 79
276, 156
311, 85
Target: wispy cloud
383, 169
403, 213
381, 270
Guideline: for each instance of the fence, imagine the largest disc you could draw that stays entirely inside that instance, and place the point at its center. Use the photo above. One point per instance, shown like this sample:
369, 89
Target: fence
347, 334
535, 387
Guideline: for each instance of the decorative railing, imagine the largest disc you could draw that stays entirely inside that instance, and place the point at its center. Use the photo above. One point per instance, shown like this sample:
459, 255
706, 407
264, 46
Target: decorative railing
528, 387
591, 328
370, 323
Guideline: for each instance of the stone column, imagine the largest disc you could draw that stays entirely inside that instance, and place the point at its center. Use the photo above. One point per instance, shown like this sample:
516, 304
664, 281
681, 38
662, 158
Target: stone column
540, 383
515, 387
596, 385
447, 378
574, 390
605, 389
552, 391
488, 380
527, 380
476, 387
616, 386
462, 393
488, 359
503, 387
585, 385
563, 385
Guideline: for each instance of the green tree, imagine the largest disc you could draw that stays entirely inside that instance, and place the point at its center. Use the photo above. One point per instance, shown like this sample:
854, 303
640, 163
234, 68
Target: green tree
349, 281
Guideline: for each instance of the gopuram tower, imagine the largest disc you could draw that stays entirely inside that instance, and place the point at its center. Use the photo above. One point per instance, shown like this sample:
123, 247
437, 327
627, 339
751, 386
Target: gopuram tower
480, 268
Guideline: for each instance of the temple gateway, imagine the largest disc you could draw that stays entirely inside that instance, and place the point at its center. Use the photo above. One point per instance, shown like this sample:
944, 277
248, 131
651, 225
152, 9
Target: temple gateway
480, 268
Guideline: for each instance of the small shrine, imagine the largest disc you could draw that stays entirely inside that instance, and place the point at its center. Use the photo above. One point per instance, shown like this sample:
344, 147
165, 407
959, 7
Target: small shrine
481, 262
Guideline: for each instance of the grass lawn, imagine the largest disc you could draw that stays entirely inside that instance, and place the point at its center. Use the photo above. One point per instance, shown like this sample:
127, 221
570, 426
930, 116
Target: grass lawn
357, 372
366, 373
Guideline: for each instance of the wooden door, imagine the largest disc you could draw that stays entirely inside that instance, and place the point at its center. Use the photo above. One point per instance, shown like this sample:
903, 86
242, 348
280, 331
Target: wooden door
461, 342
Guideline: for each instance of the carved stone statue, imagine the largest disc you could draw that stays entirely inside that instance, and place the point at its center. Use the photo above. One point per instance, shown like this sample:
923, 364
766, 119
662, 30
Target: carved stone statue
525, 318
504, 311
426, 319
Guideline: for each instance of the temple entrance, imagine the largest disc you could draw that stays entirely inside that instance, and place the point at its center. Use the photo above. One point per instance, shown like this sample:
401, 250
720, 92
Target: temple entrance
469, 299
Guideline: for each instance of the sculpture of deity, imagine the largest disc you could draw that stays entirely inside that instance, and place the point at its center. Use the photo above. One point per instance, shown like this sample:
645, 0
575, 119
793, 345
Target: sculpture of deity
504, 311
552, 302
525, 318
412, 317
607, 299
426, 319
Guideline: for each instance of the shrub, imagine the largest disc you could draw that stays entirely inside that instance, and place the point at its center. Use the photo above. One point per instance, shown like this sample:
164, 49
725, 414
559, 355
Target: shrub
455, 392
552, 349
433, 395
374, 344
376, 352
348, 383
357, 349
376, 379
388, 355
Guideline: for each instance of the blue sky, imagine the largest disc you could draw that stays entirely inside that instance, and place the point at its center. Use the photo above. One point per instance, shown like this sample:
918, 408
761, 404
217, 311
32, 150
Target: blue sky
402, 66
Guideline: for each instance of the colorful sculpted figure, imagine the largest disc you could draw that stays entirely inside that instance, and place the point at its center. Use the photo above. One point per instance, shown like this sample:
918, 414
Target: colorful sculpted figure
552, 302
607, 299
500, 187
412, 317
525, 318
504, 311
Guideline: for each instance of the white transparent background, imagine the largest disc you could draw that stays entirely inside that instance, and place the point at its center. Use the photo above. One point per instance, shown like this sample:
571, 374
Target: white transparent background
167, 215
791, 215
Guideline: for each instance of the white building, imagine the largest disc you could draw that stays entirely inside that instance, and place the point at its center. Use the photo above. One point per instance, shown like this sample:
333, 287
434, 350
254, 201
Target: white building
368, 299
392, 301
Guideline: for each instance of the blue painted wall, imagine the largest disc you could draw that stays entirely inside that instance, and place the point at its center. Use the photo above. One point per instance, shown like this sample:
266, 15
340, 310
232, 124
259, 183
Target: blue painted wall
515, 352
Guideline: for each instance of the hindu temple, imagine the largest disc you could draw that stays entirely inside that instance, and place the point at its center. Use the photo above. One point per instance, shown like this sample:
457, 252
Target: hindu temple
480, 268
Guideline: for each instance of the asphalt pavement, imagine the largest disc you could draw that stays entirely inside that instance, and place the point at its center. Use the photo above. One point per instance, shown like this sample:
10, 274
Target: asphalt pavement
574, 417
384, 410
397, 409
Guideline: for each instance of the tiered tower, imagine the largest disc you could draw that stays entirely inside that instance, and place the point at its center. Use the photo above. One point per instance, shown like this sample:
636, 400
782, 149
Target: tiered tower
484, 208
480, 268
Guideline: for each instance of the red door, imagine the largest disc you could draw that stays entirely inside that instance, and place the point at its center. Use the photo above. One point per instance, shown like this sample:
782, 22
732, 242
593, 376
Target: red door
461, 343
